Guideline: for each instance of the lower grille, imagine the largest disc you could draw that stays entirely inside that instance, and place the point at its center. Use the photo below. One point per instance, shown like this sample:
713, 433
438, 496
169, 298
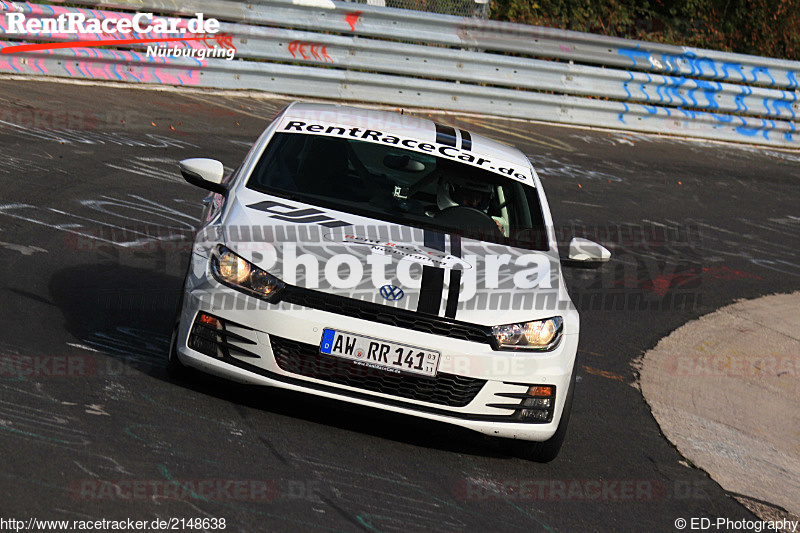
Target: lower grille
306, 360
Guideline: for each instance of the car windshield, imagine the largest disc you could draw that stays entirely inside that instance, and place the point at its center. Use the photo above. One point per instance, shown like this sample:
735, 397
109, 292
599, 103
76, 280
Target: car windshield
401, 186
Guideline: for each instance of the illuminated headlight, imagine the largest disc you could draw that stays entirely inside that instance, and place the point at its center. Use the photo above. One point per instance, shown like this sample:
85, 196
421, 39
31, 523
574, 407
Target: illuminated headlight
539, 335
242, 275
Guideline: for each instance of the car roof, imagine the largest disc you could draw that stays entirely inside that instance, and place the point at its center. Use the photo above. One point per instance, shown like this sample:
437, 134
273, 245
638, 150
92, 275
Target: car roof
404, 125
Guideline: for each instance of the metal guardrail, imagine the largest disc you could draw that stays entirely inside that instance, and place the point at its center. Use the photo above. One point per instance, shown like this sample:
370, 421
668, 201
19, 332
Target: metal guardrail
373, 56
464, 32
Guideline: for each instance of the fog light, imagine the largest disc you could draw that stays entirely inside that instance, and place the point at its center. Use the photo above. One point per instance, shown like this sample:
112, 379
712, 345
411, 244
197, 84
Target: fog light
537, 415
537, 403
202, 337
203, 345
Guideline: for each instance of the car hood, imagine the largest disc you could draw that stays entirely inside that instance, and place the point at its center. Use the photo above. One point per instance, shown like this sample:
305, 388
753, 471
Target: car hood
393, 265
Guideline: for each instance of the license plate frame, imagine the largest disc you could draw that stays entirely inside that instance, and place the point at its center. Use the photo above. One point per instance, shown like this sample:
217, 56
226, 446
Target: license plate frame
372, 352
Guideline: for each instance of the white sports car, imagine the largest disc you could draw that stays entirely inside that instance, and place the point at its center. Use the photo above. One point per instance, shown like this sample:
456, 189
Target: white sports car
388, 261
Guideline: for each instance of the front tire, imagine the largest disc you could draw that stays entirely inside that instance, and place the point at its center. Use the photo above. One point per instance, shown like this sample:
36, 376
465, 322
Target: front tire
546, 451
175, 368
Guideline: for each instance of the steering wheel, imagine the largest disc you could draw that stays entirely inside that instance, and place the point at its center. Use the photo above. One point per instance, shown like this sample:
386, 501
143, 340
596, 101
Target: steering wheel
469, 220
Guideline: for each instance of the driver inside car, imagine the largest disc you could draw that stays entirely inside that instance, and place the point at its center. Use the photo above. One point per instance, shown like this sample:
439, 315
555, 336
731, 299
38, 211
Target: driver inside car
464, 192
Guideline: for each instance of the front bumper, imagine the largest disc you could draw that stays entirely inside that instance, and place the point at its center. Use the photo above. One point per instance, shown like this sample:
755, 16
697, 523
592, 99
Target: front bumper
277, 345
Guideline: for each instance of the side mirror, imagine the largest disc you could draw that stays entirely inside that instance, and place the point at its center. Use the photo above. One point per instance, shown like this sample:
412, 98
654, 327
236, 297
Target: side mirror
204, 173
584, 253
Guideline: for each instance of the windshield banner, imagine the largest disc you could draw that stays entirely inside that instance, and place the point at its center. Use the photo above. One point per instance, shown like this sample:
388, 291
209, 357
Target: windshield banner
304, 125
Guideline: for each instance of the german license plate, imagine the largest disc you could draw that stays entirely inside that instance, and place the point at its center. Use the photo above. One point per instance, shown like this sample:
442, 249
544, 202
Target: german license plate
377, 353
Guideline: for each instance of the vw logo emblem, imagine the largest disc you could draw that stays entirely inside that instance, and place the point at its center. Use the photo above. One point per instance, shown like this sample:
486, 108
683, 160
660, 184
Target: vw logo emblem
392, 293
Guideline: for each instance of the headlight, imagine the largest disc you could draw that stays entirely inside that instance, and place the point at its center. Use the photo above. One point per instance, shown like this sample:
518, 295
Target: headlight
539, 335
242, 275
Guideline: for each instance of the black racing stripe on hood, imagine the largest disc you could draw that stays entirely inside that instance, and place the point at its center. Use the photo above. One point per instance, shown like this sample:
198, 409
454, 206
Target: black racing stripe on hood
466, 140
454, 283
445, 135
433, 240
430, 291
432, 284
455, 245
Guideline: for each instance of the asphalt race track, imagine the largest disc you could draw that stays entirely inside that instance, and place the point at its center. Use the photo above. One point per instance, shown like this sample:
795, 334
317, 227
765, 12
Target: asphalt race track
94, 220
